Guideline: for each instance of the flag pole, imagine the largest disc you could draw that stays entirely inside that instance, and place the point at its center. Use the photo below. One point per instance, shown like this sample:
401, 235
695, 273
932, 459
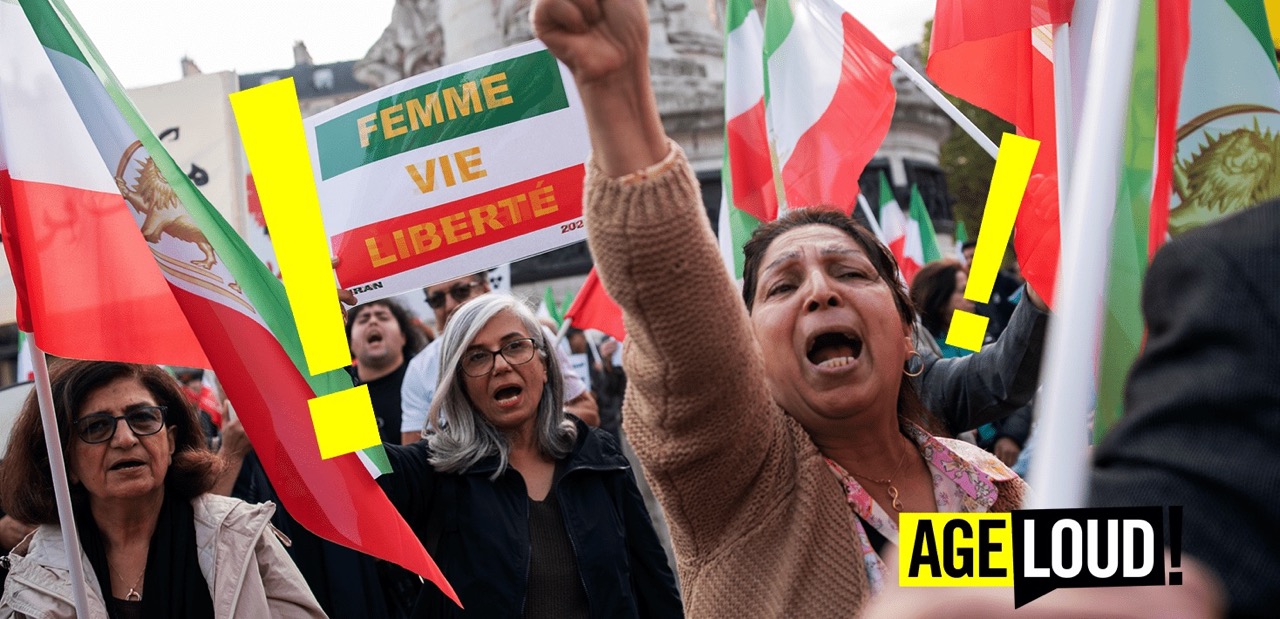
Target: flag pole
951, 110
564, 329
1062, 114
58, 468
871, 219
1059, 472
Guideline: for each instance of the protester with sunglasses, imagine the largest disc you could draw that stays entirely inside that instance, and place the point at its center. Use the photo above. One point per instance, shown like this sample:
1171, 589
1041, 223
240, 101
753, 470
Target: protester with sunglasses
420, 378
529, 511
155, 543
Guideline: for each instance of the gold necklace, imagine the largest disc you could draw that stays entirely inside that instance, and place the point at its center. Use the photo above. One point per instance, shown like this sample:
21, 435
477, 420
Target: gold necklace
134, 595
888, 481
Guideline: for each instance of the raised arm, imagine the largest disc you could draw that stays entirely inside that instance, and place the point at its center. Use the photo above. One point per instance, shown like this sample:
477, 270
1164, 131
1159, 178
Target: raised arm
697, 409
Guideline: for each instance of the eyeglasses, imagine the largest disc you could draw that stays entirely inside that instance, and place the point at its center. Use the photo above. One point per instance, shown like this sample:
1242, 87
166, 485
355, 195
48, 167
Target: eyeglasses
101, 427
478, 362
459, 292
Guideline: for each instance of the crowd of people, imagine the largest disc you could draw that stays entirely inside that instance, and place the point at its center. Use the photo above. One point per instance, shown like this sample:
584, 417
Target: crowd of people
778, 428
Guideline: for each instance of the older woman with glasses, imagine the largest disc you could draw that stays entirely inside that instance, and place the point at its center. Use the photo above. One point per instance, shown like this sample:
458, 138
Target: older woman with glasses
155, 542
529, 511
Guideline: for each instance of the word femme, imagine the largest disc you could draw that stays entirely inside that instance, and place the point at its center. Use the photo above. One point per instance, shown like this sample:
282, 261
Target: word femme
432, 108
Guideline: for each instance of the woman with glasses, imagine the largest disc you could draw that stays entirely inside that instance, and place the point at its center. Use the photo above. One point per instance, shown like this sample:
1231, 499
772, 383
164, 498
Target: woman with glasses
529, 511
155, 543
783, 438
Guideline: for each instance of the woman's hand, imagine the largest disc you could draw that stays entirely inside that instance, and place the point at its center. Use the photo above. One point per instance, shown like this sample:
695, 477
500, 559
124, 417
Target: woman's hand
597, 39
605, 43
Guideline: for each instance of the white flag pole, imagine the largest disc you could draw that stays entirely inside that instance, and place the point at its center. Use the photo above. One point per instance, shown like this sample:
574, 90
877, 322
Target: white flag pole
946, 106
1062, 114
871, 218
1059, 472
58, 468
564, 329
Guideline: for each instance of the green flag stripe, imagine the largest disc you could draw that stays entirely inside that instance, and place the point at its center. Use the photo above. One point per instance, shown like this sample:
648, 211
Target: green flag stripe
778, 20
928, 236
735, 12
1122, 327
1253, 13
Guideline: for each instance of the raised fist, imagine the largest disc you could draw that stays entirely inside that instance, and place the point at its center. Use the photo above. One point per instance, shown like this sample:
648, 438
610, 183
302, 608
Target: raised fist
596, 39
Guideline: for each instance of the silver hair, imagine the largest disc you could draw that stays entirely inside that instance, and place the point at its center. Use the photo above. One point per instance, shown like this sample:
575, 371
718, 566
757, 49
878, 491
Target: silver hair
467, 437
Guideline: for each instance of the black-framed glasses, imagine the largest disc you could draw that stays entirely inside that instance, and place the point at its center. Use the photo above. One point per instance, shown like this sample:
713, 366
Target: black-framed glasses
101, 427
459, 292
478, 361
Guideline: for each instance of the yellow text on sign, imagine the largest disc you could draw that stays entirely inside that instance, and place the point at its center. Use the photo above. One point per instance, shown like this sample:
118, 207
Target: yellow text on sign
955, 550
1008, 184
275, 143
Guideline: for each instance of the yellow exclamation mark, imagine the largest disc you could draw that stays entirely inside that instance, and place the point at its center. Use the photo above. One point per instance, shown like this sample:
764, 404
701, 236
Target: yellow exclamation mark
275, 143
1008, 184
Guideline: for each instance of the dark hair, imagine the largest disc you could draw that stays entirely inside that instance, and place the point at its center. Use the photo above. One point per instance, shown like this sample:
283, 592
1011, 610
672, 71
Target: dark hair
909, 405
413, 337
931, 291
971, 244
26, 485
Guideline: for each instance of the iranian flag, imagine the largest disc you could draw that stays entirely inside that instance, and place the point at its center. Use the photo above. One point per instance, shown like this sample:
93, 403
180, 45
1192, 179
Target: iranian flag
999, 56
235, 307
896, 232
749, 193
922, 241
1209, 138
829, 97
61, 209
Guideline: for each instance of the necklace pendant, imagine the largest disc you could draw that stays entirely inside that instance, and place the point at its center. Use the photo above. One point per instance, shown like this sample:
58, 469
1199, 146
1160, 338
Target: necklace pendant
133, 595
893, 494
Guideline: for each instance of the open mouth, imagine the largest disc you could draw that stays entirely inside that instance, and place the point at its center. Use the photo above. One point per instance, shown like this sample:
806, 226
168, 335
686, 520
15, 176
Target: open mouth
126, 464
507, 395
834, 350
374, 338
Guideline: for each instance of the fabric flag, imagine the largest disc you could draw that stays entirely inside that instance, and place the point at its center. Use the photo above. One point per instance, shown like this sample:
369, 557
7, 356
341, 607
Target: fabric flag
896, 231
548, 308
1214, 144
922, 241
829, 98
593, 308
234, 305
749, 195
962, 237
60, 208
999, 56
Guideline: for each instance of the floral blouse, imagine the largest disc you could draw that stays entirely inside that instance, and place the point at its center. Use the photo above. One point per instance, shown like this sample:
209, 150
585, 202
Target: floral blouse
959, 485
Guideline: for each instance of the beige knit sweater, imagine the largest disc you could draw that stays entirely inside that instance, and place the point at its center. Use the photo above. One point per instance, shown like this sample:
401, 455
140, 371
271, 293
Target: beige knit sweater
759, 523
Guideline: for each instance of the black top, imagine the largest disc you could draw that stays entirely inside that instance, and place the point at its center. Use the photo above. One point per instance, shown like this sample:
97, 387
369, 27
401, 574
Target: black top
385, 394
1202, 406
554, 587
126, 609
479, 532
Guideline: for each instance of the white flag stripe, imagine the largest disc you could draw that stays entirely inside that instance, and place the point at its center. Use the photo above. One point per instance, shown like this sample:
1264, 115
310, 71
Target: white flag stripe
804, 72
745, 62
37, 111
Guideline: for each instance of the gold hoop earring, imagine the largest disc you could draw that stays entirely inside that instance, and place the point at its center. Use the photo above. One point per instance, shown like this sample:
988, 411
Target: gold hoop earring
914, 365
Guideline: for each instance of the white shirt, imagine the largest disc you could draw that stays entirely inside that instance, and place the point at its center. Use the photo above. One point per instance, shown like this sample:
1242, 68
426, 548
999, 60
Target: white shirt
423, 374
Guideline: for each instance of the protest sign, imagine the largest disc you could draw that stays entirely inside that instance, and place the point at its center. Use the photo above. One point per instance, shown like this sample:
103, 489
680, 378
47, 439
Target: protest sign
451, 172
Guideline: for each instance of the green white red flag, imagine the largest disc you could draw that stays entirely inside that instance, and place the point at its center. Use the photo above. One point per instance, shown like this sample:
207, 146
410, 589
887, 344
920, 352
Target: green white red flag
897, 233
999, 56
829, 98
750, 195
235, 307
593, 308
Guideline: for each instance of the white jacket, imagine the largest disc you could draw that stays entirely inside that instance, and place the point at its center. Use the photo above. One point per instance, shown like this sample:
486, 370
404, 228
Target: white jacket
247, 569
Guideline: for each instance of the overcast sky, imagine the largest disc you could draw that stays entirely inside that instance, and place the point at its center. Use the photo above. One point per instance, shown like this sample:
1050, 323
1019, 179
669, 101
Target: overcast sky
144, 40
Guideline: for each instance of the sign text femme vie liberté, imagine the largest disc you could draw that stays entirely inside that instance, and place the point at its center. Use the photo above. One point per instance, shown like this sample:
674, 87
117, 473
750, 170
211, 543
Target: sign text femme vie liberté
451, 172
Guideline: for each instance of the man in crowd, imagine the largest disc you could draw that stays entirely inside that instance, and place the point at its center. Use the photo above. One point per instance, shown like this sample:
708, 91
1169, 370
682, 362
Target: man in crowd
382, 340
424, 370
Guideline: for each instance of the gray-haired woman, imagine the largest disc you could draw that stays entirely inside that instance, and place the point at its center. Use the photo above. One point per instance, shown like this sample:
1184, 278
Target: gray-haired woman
528, 511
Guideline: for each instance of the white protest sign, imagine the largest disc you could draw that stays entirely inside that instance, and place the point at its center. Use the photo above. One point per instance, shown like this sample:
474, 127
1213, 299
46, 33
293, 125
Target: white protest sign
451, 172
582, 367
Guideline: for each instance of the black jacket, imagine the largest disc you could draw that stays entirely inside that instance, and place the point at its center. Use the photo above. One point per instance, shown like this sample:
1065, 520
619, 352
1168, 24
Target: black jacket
478, 532
1202, 406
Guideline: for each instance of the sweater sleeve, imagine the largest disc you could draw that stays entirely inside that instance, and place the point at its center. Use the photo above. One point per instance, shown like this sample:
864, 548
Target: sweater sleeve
697, 410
